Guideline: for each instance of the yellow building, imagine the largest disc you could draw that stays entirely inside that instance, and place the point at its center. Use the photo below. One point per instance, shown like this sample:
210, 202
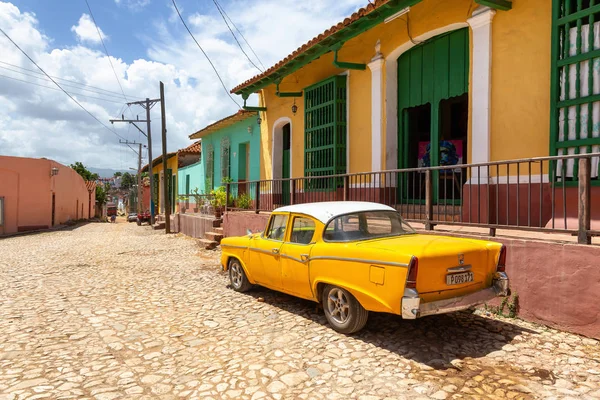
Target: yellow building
401, 82
175, 160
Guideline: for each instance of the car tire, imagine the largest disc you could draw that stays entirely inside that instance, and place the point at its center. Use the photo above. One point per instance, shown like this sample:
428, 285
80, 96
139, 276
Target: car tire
343, 312
139, 222
237, 276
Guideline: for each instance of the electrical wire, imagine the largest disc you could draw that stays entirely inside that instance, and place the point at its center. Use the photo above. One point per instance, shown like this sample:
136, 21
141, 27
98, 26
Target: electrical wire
234, 37
63, 79
53, 88
64, 84
105, 49
60, 87
205, 55
241, 34
407, 20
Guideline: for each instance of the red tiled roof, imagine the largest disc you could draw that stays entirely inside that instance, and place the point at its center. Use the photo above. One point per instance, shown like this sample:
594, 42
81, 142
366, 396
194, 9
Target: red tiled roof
194, 148
90, 186
223, 123
314, 41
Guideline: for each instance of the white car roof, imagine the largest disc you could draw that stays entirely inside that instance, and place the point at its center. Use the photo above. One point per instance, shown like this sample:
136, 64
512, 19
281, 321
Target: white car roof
324, 211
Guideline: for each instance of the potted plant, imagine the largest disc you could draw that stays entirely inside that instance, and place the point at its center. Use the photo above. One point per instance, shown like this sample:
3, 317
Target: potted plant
218, 201
244, 201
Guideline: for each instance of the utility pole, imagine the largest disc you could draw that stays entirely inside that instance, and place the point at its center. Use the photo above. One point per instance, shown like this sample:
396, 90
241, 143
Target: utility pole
139, 171
167, 179
147, 105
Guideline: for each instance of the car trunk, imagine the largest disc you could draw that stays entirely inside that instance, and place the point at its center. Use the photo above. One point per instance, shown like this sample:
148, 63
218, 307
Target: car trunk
448, 267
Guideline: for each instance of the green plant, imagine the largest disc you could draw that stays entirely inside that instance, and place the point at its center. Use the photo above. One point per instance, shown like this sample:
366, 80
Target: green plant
244, 201
511, 304
195, 194
219, 197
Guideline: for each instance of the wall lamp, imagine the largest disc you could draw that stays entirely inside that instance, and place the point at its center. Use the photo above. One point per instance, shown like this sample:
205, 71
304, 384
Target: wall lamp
54, 171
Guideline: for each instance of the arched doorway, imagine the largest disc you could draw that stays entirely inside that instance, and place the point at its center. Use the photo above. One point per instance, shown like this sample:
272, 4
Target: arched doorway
433, 103
282, 158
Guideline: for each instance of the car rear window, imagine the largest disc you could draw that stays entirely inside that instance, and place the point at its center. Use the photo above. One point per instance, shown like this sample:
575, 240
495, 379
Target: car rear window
366, 225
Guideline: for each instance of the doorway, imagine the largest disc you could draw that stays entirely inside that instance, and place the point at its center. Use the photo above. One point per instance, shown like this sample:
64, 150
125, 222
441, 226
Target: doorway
433, 82
285, 164
53, 207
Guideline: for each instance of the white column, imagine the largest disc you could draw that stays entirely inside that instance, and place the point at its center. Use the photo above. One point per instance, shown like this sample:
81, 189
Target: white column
376, 67
481, 25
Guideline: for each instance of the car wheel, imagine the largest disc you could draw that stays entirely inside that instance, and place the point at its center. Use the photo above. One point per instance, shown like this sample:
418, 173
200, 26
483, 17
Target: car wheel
139, 222
343, 311
237, 276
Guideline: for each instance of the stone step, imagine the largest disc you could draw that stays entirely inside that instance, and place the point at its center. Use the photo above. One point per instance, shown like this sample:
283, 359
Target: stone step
217, 223
216, 236
159, 225
218, 230
207, 244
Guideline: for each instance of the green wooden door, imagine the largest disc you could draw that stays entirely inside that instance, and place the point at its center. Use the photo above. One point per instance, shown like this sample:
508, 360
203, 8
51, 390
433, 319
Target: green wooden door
427, 74
285, 165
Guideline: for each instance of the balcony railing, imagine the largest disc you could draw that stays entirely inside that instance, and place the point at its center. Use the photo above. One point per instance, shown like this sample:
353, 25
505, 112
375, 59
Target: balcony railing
549, 194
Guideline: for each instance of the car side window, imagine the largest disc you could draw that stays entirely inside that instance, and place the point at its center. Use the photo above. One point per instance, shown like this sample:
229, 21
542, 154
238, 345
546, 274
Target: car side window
277, 227
303, 230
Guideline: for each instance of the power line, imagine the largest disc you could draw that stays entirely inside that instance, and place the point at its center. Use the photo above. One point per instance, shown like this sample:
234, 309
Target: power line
105, 50
241, 34
60, 87
233, 34
53, 88
64, 84
62, 79
205, 55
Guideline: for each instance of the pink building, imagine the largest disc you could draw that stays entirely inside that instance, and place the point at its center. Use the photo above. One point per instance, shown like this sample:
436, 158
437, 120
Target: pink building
40, 193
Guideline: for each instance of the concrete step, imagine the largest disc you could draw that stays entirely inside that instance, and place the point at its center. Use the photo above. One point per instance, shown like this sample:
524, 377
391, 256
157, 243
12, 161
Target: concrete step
217, 223
159, 225
207, 244
215, 236
218, 230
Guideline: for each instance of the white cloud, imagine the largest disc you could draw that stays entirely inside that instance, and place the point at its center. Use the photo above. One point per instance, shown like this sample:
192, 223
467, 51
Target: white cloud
39, 122
85, 30
134, 5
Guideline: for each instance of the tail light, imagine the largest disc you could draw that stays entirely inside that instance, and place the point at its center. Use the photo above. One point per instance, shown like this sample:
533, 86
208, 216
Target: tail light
501, 266
413, 269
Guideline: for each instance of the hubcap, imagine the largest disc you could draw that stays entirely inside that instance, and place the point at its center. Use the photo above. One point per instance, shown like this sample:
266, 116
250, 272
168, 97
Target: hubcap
236, 275
338, 305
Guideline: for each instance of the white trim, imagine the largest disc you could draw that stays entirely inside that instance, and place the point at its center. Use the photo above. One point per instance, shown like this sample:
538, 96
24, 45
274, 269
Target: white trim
278, 152
376, 67
391, 91
481, 85
347, 73
512, 180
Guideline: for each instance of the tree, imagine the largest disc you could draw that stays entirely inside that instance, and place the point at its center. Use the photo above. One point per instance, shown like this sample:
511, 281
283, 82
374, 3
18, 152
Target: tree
118, 173
127, 181
100, 195
84, 172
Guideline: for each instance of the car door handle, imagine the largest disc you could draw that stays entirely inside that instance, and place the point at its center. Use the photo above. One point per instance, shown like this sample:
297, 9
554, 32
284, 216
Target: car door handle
275, 251
304, 257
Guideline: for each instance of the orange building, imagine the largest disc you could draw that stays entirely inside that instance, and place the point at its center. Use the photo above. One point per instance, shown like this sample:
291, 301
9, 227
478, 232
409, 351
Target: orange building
40, 193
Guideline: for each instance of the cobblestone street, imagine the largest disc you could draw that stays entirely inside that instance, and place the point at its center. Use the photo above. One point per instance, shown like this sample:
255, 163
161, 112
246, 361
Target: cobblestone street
107, 311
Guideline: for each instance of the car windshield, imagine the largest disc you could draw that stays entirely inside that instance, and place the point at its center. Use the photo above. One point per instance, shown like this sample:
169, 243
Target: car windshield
366, 225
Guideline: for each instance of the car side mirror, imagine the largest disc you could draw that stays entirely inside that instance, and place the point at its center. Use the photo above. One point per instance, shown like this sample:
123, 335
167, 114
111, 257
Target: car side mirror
248, 232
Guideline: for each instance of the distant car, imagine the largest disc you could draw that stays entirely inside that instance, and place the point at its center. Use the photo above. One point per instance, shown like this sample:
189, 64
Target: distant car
356, 257
143, 217
132, 217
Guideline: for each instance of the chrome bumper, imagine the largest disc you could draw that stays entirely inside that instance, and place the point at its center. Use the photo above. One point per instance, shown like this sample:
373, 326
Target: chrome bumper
412, 307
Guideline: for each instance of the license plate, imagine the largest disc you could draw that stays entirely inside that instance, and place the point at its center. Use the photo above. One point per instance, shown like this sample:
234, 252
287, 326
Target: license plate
458, 279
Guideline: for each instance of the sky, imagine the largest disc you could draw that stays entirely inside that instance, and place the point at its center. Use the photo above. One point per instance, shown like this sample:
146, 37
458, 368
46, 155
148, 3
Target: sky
147, 43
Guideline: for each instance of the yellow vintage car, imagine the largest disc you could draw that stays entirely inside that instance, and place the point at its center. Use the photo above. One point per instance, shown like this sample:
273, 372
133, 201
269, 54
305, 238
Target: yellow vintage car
357, 257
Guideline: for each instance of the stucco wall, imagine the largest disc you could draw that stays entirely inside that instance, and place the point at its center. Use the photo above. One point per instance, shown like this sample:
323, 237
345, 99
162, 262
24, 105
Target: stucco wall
196, 173
520, 86
172, 163
237, 134
27, 185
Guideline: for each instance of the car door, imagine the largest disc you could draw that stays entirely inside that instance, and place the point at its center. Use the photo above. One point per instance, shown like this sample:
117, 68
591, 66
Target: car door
295, 253
265, 252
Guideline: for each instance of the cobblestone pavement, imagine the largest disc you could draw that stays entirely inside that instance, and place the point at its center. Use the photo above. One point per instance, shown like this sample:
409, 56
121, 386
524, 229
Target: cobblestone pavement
107, 311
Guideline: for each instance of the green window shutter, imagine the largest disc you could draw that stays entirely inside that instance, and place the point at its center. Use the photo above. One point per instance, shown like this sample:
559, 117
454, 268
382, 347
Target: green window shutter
575, 88
210, 168
325, 132
155, 183
225, 159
